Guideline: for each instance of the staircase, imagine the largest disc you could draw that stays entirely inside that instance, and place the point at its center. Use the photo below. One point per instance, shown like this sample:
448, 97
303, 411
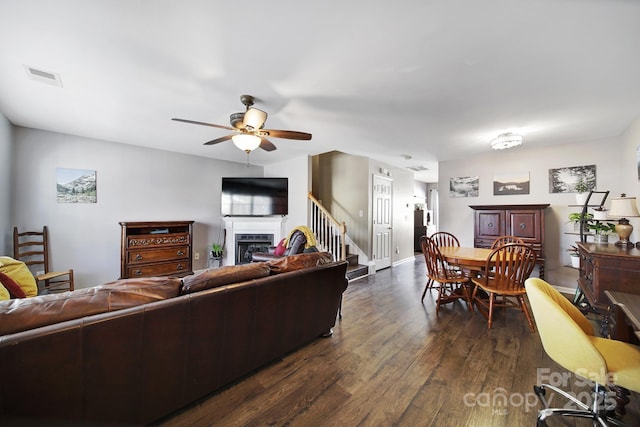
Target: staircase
331, 237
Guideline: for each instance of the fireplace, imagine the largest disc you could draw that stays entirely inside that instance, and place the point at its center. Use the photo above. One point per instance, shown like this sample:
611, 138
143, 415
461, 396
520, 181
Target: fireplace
247, 244
255, 234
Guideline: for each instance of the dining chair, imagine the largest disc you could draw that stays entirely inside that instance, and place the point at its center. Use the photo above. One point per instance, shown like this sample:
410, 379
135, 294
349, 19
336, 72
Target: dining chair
505, 240
611, 367
32, 248
506, 269
444, 238
453, 284
441, 238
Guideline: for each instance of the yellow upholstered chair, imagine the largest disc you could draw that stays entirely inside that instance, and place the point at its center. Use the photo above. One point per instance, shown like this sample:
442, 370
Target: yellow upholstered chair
568, 338
32, 248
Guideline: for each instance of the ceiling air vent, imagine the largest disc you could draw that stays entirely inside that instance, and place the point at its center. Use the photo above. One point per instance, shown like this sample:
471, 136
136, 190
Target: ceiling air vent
44, 76
418, 168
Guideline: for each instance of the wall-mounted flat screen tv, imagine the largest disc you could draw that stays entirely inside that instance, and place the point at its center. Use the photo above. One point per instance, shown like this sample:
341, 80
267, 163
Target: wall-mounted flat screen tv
255, 196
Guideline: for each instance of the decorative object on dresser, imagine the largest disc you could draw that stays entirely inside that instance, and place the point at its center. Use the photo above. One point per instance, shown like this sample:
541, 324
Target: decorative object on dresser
624, 207
156, 249
523, 221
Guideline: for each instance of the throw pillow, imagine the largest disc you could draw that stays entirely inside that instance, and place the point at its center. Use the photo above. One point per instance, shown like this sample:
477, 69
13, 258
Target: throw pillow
19, 272
15, 291
280, 249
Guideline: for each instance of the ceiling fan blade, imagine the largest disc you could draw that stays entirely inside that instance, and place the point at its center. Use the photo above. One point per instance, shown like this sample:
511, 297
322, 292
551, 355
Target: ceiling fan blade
217, 140
288, 134
203, 123
267, 145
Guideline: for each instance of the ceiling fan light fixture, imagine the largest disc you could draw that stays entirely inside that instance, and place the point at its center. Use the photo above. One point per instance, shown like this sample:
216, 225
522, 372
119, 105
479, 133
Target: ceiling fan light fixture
254, 118
246, 142
506, 140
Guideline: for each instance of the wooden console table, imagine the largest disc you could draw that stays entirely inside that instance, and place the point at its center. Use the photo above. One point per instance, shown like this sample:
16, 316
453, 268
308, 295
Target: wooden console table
607, 267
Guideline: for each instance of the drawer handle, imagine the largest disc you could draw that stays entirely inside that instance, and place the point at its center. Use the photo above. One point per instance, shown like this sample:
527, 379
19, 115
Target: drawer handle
180, 267
490, 225
523, 226
138, 257
138, 273
180, 252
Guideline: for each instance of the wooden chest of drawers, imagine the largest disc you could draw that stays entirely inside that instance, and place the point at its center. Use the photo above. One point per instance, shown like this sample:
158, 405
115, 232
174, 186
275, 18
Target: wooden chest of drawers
156, 249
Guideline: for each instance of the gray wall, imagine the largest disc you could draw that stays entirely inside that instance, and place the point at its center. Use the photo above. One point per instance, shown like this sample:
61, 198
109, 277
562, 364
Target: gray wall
6, 180
133, 184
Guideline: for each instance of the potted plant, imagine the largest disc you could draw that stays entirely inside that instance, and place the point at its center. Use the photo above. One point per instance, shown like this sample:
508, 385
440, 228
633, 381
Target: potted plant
216, 250
582, 189
601, 230
575, 257
575, 218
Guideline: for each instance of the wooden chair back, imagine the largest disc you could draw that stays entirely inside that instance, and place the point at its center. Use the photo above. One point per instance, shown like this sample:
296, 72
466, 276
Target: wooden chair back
505, 240
443, 238
32, 248
512, 264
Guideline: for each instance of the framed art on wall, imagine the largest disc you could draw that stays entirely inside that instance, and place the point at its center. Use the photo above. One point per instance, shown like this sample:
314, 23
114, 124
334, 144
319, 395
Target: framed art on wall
76, 186
574, 179
511, 183
464, 186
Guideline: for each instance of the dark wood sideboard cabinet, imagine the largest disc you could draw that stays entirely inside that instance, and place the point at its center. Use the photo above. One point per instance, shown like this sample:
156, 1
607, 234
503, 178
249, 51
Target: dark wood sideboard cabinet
607, 267
156, 249
523, 221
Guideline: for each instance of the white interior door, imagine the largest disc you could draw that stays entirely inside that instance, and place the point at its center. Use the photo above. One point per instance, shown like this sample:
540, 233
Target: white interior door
382, 202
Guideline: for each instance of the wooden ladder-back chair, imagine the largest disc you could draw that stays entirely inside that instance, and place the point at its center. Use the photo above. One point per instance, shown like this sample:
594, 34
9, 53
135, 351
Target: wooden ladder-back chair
505, 240
507, 268
441, 238
32, 248
454, 284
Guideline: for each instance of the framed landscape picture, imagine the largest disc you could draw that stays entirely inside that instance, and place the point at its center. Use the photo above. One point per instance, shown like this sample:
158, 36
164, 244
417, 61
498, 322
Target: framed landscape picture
565, 180
511, 183
76, 186
464, 186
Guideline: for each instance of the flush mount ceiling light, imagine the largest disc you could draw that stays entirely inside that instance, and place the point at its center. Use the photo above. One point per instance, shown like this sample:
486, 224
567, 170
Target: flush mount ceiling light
506, 140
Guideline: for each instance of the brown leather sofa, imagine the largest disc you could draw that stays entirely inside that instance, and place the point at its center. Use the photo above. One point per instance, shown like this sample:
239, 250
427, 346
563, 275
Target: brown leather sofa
154, 346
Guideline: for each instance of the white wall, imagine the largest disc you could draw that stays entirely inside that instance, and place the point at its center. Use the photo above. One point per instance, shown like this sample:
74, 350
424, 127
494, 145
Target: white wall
457, 217
6, 154
133, 184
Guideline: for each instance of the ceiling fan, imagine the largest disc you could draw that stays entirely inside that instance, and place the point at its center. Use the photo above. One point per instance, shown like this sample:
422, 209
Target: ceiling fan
247, 127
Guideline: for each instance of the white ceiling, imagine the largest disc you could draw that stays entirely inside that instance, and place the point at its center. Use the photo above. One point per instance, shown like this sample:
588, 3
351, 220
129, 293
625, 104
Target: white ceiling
430, 80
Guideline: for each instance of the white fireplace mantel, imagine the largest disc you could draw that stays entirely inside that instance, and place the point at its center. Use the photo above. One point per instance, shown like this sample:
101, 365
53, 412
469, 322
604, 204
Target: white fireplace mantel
250, 225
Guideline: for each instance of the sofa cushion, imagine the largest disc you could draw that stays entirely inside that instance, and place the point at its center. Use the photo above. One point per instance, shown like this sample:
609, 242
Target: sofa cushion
226, 275
297, 262
14, 290
23, 314
20, 273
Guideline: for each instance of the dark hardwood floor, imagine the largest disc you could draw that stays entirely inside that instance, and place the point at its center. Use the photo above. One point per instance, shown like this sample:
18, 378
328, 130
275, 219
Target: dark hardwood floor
390, 361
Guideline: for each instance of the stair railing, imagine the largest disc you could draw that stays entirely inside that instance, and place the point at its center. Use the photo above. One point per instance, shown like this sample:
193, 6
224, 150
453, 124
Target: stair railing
330, 234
